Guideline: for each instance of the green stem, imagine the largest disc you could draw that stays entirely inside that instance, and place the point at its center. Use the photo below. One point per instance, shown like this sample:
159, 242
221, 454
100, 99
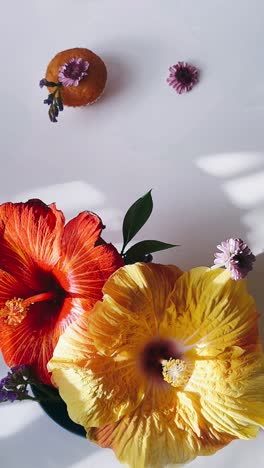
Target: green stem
57, 90
39, 400
28, 397
49, 394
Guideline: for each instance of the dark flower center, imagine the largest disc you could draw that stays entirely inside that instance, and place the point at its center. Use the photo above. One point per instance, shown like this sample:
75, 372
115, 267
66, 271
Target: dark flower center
73, 70
242, 260
51, 284
50, 294
154, 353
184, 75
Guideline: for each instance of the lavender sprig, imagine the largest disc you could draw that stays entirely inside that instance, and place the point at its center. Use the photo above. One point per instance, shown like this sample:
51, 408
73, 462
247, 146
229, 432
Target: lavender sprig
54, 100
14, 387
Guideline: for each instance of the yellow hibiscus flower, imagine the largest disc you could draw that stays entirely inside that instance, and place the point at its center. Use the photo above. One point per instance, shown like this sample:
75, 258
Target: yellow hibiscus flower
167, 367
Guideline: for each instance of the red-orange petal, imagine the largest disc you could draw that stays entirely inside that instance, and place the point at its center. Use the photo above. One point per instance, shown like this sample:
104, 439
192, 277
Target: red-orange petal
36, 253
30, 240
32, 342
10, 287
87, 262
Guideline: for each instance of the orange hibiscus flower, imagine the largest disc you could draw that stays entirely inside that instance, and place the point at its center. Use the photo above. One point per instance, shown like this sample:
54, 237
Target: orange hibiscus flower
50, 273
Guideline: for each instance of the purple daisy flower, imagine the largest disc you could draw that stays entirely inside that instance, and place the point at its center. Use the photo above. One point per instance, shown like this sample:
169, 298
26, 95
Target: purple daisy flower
183, 77
236, 256
72, 72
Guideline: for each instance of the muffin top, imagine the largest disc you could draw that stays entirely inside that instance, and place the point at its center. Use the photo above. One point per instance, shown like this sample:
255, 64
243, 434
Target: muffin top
89, 87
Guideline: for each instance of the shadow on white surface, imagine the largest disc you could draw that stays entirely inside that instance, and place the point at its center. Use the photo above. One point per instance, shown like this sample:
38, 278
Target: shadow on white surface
74, 197
119, 79
250, 455
229, 164
242, 178
255, 283
43, 444
30, 439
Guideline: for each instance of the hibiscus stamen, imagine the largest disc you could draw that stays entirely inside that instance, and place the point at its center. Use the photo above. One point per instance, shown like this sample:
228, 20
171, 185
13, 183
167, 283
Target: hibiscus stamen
175, 372
16, 309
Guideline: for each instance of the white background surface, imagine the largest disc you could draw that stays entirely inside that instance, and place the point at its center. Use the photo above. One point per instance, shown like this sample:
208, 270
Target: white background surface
202, 153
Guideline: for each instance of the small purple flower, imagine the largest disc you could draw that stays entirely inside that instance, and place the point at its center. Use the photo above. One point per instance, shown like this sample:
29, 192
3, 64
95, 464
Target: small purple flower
54, 100
15, 375
183, 77
49, 100
53, 112
236, 256
60, 103
6, 395
18, 369
72, 72
43, 83
14, 385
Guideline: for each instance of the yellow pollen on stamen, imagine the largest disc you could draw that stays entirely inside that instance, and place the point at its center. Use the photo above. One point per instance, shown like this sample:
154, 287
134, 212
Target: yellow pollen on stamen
175, 372
14, 311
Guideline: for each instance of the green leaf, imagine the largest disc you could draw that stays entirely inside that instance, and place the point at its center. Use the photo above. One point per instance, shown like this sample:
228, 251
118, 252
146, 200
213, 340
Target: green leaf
136, 217
137, 252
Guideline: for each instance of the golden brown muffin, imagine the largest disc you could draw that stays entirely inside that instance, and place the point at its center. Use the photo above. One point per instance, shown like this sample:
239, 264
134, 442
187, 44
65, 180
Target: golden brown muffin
90, 86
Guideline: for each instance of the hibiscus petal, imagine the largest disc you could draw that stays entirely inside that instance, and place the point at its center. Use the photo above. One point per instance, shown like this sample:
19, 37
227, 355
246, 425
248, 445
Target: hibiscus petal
150, 424
32, 342
156, 437
85, 265
100, 384
10, 287
30, 237
211, 312
231, 392
135, 299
